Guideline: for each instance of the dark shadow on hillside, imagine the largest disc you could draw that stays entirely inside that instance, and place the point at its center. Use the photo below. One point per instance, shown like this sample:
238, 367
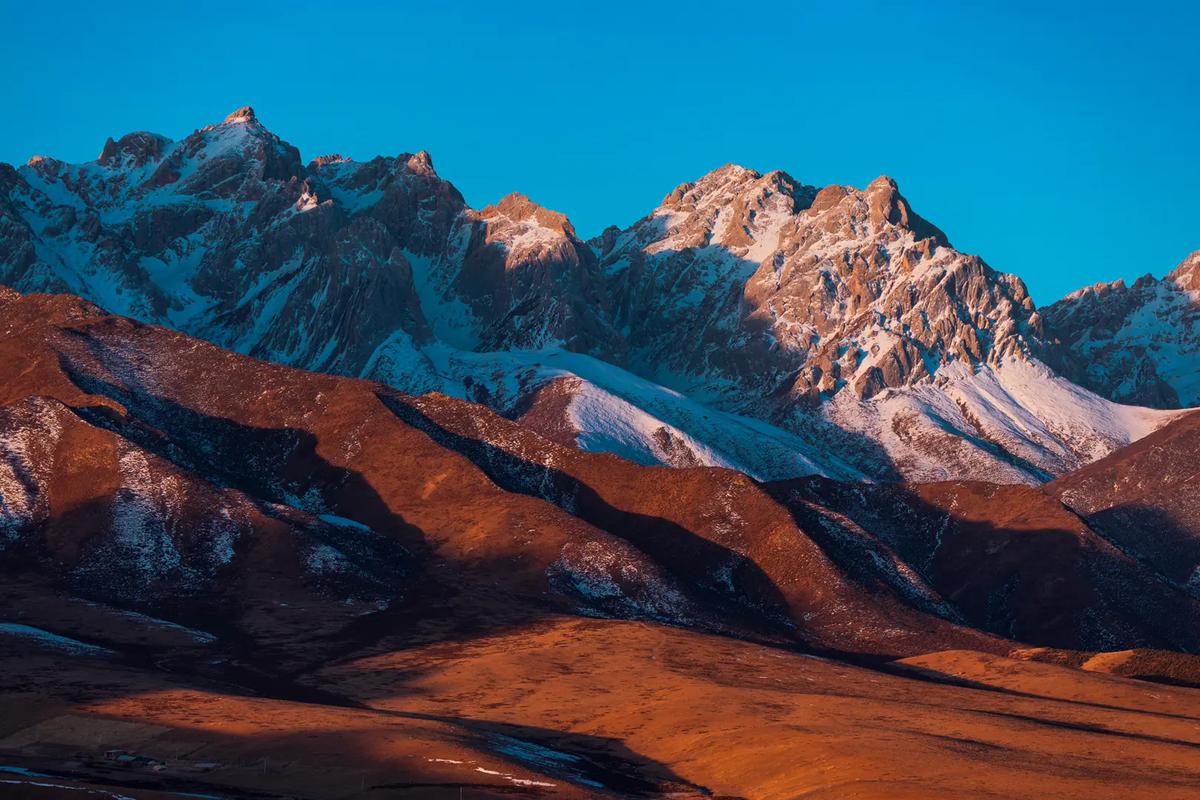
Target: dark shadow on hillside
442, 600
260, 760
438, 598
750, 596
1052, 586
280, 465
1152, 535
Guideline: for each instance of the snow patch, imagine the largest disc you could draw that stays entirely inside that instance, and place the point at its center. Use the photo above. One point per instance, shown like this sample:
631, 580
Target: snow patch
53, 640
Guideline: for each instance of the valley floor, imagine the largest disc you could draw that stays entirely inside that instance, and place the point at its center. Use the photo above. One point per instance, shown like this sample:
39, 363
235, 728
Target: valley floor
573, 707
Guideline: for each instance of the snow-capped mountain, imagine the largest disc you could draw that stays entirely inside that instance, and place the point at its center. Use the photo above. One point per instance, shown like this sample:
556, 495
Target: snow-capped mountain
749, 321
845, 312
1136, 344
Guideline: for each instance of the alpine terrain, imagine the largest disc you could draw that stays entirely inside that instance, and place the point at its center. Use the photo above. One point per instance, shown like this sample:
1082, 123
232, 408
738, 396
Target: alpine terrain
317, 483
749, 321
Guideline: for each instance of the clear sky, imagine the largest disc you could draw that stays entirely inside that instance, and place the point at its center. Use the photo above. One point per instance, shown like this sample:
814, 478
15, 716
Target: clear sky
1056, 139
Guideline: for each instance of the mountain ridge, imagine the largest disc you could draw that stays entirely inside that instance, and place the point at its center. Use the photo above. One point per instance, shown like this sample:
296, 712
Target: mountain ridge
839, 317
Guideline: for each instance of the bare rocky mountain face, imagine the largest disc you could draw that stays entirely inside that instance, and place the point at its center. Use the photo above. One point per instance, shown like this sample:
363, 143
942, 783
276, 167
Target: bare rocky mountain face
1135, 344
749, 322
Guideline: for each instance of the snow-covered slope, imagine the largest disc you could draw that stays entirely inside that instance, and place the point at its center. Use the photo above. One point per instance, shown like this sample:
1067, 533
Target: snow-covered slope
577, 399
1014, 422
750, 321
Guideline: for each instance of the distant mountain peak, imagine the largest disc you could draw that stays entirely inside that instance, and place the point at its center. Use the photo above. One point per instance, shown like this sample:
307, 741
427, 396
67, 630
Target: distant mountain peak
241, 115
421, 162
734, 171
1187, 274
884, 206
138, 148
518, 207
332, 158
1135, 343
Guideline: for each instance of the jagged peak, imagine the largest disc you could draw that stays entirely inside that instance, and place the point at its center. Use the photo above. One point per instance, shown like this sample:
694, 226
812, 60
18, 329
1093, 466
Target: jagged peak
242, 123
242, 135
44, 165
139, 146
885, 206
332, 158
1187, 274
725, 183
779, 176
884, 183
241, 115
518, 208
729, 174
732, 170
717, 177
421, 162
1098, 288
889, 206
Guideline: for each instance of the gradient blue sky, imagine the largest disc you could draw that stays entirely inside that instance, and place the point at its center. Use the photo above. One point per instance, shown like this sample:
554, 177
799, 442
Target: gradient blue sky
1057, 140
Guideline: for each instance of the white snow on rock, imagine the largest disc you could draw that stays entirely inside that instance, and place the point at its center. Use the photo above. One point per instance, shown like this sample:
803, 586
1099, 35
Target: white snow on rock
616, 578
53, 640
29, 433
618, 412
1017, 422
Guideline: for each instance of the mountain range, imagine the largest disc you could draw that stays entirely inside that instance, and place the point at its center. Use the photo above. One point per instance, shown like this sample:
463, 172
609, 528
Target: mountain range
750, 321
317, 483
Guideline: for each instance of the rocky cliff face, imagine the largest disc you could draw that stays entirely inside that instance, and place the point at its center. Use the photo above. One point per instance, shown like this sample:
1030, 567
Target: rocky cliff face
843, 316
792, 291
1136, 344
836, 327
332, 266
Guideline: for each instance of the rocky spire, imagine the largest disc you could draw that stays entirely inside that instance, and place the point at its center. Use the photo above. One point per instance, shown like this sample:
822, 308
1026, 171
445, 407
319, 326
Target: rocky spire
243, 114
1187, 274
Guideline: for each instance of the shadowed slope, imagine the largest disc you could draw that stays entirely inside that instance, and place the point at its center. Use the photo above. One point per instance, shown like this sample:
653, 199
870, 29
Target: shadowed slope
1012, 560
1146, 499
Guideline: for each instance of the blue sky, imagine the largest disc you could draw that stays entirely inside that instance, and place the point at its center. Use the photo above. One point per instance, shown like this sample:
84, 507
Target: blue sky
1057, 140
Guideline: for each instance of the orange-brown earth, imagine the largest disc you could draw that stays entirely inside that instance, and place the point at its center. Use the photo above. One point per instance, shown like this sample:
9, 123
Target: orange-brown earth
266, 582
644, 710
